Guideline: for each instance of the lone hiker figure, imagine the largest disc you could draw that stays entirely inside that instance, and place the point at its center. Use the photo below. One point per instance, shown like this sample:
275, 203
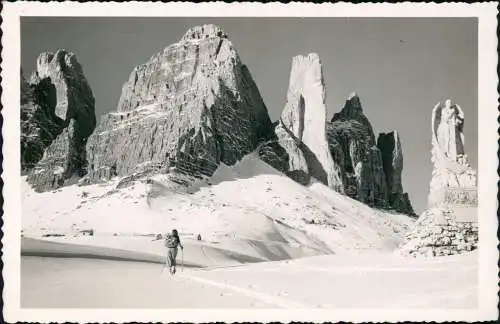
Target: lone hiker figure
172, 241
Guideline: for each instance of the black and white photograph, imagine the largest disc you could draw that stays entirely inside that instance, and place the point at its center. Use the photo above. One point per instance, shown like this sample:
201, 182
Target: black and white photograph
249, 158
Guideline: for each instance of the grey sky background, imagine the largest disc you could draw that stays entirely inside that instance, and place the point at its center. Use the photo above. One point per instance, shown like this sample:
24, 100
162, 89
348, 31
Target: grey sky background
400, 67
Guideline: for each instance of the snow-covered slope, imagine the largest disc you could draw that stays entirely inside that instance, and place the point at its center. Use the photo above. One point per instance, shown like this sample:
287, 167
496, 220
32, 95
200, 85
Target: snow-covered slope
249, 211
245, 214
359, 282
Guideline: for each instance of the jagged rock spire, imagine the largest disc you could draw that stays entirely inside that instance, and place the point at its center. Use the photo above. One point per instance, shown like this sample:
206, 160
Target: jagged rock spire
390, 146
57, 118
370, 173
302, 127
353, 110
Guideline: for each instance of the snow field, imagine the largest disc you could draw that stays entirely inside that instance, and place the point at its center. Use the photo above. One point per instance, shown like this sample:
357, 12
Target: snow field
322, 249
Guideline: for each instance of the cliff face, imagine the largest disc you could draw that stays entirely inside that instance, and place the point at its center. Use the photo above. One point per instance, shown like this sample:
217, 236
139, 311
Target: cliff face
371, 172
189, 108
392, 156
301, 131
57, 116
392, 159
39, 125
351, 139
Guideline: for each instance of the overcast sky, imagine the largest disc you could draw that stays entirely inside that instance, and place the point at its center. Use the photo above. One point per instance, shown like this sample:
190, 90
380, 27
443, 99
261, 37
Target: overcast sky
400, 67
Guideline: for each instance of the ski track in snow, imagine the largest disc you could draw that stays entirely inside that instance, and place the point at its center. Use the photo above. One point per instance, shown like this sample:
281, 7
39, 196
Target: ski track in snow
278, 301
316, 282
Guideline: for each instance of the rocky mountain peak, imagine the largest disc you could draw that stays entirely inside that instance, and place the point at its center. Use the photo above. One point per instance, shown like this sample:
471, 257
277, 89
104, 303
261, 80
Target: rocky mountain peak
306, 60
199, 62
352, 96
301, 132
60, 57
352, 108
305, 83
341, 153
203, 31
371, 172
353, 111
66, 73
58, 115
61, 61
187, 109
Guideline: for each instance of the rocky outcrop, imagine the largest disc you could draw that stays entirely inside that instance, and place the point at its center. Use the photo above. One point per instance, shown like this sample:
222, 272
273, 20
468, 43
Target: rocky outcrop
26, 91
273, 153
392, 161
352, 143
392, 158
450, 224
301, 130
341, 153
189, 108
353, 112
371, 172
57, 114
39, 125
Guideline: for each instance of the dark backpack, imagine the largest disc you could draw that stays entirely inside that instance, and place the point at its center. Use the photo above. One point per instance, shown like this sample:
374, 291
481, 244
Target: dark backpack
171, 241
